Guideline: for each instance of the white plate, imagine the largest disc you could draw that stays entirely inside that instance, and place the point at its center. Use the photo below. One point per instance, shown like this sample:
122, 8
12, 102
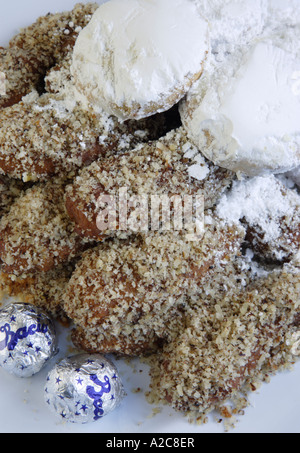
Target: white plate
275, 409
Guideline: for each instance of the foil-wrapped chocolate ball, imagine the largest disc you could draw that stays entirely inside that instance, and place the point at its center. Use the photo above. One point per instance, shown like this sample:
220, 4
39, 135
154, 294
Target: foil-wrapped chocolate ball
27, 339
83, 388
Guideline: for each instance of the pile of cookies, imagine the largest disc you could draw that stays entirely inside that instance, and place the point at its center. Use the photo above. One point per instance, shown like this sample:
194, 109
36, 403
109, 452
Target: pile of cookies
89, 112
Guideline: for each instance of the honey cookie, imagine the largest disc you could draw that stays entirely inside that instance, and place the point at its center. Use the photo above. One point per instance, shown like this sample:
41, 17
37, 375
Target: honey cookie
170, 166
52, 135
37, 234
10, 190
134, 289
227, 344
43, 289
36, 48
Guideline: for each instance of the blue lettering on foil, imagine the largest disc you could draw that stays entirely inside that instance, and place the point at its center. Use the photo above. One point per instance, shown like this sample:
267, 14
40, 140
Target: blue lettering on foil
12, 338
97, 396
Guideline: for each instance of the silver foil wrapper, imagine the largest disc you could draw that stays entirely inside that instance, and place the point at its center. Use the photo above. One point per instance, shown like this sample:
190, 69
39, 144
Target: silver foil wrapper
84, 388
27, 339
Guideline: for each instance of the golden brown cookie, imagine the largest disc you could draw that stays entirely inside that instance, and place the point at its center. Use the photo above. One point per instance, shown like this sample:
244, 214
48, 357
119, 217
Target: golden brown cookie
169, 166
43, 289
10, 190
132, 290
37, 48
37, 234
227, 343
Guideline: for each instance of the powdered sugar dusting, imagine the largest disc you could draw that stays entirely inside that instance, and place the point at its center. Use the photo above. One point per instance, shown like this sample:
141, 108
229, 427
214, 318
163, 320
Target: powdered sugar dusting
260, 201
198, 172
243, 113
137, 57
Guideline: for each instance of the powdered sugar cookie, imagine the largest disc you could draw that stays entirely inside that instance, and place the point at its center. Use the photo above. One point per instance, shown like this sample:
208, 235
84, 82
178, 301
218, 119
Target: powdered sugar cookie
139, 57
245, 116
234, 23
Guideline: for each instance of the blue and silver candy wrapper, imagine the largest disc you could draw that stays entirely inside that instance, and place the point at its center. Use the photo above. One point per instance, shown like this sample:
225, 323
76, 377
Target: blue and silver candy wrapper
84, 388
27, 339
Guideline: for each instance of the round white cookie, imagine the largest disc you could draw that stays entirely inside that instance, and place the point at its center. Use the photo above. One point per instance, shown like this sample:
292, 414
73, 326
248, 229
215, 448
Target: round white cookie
140, 57
245, 115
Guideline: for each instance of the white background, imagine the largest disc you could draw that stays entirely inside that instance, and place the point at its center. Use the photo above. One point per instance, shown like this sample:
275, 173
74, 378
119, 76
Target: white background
275, 409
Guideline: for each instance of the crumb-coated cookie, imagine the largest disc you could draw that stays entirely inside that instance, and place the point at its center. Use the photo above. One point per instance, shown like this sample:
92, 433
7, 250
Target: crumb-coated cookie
10, 190
37, 234
52, 135
36, 142
20, 73
133, 290
43, 289
228, 342
36, 48
169, 166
